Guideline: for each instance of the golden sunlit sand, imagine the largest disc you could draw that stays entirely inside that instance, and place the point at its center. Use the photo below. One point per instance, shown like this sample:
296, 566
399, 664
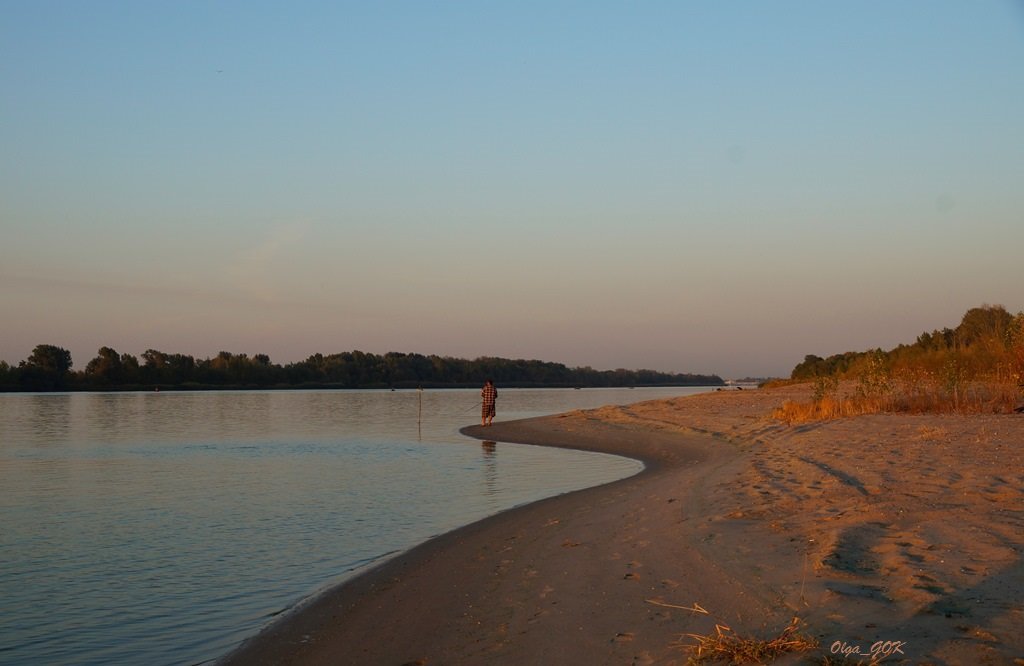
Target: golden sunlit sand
898, 534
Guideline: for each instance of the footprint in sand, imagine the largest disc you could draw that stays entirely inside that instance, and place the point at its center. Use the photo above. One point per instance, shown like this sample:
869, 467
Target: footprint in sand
623, 637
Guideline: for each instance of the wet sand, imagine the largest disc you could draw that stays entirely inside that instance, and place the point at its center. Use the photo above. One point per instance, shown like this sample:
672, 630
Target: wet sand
885, 528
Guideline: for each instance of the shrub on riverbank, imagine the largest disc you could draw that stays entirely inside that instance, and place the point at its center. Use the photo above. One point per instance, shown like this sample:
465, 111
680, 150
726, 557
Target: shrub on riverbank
976, 368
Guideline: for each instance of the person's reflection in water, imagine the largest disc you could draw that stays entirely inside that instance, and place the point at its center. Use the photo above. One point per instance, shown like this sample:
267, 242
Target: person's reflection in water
490, 467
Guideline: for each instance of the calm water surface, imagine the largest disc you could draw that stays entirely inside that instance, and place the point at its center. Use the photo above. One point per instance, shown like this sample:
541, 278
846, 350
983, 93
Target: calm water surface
164, 528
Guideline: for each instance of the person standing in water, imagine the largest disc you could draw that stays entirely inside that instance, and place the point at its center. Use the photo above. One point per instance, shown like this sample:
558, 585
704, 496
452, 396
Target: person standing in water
490, 396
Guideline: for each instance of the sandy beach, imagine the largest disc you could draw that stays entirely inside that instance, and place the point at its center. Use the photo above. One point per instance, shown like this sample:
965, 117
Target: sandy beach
901, 531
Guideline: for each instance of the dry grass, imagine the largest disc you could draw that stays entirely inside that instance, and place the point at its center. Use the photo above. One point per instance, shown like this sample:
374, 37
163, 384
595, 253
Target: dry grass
824, 409
931, 434
909, 397
726, 646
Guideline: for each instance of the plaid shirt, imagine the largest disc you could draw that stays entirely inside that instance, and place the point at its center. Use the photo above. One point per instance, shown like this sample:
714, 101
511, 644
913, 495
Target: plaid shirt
490, 394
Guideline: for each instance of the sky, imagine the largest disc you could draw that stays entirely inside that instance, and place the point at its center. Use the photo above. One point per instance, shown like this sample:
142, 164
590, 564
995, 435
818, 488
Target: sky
715, 187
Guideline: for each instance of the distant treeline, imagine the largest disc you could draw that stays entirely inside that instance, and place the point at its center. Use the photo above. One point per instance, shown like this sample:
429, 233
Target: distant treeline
49, 368
988, 345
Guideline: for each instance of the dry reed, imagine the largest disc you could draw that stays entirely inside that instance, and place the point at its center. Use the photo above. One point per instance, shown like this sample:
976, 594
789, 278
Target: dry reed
725, 645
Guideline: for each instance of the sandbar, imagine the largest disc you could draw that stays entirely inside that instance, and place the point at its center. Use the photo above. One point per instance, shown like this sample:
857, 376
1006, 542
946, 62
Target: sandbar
895, 531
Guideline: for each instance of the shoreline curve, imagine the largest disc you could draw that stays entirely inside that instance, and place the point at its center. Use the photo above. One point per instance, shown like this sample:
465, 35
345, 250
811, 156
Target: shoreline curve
896, 529
579, 568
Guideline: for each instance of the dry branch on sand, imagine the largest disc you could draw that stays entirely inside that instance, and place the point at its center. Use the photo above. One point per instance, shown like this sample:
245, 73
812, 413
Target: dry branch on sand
695, 608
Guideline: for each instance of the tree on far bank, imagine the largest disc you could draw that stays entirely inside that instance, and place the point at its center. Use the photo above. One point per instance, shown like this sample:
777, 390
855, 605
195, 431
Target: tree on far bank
8, 375
161, 368
105, 369
46, 369
49, 369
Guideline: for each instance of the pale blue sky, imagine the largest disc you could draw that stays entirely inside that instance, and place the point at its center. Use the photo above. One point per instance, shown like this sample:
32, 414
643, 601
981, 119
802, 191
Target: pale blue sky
694, 187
